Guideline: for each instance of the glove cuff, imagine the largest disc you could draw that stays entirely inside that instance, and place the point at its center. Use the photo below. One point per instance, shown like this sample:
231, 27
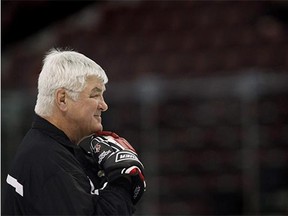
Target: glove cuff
133, 176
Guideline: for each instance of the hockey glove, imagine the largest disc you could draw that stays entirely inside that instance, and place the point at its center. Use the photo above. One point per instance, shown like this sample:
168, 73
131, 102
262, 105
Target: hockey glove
117, 159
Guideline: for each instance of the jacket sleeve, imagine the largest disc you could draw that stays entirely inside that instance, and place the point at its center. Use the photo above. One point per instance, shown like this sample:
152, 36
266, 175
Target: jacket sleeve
69, 194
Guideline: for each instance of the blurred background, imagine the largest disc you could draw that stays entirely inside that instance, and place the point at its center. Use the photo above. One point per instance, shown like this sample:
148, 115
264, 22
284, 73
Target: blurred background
200, 88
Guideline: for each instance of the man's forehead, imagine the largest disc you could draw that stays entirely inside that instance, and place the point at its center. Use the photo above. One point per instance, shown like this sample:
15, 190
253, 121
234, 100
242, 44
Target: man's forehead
96, 84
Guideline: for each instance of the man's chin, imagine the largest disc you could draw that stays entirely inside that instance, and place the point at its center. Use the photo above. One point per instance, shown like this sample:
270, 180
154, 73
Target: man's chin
99, 128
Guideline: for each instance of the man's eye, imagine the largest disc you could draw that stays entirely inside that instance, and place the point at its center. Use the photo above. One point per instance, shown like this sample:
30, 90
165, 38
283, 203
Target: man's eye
94, 96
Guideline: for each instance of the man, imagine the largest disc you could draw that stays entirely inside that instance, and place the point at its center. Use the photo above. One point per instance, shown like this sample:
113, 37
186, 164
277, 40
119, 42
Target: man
66, 164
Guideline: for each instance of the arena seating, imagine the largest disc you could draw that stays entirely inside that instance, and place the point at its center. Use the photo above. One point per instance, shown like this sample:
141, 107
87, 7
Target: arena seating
193, 146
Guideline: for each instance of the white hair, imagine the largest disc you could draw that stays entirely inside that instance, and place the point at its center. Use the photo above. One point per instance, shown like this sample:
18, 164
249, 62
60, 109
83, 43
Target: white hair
64, 69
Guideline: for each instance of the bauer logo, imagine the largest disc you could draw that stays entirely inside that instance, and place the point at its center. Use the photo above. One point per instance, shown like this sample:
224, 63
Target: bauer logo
121, 156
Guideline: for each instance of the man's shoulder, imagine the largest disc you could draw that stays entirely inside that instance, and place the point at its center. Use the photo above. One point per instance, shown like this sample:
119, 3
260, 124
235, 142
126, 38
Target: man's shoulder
42, 155
34, 145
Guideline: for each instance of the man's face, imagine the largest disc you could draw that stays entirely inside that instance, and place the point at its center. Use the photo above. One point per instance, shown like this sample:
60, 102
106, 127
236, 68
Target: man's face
85, 112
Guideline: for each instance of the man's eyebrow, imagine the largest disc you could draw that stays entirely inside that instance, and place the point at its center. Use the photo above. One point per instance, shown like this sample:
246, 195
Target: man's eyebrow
96, 89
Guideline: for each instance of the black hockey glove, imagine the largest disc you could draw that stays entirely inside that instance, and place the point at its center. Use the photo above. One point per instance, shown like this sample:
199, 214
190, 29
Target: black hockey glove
116, 159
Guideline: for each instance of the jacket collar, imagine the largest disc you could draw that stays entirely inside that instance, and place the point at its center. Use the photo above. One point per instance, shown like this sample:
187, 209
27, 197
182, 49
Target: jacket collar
52, 131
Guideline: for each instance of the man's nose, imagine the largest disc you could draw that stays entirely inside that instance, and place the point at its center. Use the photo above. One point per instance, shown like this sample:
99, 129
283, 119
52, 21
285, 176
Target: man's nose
103, 105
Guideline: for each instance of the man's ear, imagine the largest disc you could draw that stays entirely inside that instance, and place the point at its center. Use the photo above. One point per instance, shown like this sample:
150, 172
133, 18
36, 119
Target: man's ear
61, 99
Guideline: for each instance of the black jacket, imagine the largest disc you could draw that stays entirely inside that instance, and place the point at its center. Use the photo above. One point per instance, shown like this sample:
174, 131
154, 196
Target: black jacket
48, 177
